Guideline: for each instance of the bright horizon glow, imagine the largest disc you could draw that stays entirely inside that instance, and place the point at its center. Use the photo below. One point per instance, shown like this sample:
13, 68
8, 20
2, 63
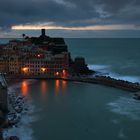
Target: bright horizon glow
96, 27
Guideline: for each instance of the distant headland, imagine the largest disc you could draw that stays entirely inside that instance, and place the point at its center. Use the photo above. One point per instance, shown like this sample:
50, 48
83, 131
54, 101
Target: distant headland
45, 57
40, 56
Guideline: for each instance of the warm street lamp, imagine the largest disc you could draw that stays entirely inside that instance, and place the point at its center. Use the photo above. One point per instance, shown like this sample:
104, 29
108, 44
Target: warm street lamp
43, 69
57, 73
25, 69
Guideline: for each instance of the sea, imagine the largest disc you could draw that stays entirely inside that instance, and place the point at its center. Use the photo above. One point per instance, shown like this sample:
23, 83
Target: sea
62, 110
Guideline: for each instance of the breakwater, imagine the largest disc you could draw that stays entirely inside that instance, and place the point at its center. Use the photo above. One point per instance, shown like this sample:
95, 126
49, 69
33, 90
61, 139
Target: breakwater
108, 81
102, 80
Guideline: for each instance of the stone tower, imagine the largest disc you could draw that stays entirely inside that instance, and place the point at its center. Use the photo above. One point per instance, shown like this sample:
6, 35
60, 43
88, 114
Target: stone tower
43, 34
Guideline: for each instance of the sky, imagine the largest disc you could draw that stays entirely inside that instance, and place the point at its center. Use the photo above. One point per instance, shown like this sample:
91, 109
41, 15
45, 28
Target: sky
70, 18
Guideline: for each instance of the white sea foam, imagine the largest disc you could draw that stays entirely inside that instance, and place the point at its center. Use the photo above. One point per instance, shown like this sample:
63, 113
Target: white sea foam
127, 78
106, 70
99, 68
23, 129
126, 106
121, 134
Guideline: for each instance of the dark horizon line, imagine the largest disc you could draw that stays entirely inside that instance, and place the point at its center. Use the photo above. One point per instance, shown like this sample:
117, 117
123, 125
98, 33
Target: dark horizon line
79, 37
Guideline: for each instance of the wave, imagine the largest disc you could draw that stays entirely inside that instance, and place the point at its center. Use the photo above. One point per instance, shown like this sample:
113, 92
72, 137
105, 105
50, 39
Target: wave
126, 106
127, 78
106, 70
99, 68
23, 130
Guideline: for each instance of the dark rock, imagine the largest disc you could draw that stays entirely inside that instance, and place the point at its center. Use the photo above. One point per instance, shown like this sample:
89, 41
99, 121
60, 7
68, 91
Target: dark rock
13, 138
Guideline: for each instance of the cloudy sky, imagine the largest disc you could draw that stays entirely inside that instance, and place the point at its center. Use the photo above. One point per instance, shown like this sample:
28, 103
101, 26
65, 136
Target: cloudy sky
71, 18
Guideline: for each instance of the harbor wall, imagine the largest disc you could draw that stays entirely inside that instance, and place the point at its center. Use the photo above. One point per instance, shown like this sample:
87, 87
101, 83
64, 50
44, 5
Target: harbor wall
102, 80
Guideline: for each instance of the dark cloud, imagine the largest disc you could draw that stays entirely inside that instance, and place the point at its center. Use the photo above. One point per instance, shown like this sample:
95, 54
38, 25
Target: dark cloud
69, 12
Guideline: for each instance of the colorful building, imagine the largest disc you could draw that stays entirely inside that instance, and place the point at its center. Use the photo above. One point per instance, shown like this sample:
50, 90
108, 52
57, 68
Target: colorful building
35, 56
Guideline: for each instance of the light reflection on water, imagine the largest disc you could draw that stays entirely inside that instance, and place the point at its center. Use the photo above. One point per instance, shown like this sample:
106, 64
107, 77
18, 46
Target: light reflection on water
43, 87
60, 98
57, 85
60, 85
25, 87
64, 84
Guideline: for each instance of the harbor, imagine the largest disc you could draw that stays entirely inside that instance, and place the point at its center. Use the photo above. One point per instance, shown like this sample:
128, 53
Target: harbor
108, 81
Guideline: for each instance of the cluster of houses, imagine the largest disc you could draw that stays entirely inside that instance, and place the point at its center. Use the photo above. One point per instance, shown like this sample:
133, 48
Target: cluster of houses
37, 56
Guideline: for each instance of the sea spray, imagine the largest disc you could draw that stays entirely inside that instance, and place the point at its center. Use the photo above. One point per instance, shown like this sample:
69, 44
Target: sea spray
106, 71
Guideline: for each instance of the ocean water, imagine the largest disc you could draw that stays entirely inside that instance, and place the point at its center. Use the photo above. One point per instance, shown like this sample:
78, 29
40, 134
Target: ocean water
63, 110
117, 57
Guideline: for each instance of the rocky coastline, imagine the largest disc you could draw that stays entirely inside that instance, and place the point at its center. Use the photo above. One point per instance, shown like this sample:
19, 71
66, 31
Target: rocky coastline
16, 107
108, 81
95, 79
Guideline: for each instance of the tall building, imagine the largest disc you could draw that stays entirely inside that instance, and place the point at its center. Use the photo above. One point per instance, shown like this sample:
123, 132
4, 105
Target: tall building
43, 32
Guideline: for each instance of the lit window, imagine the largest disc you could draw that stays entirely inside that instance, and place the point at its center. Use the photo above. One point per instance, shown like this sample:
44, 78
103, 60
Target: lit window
25, 69
57, 73
43, 69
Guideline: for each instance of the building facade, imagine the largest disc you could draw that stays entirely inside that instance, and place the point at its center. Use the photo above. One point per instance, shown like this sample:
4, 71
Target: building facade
50, 66
28, 59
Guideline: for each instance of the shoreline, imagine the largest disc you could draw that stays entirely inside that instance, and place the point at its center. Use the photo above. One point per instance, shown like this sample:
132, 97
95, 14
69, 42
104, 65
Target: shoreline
19, 109
101, 80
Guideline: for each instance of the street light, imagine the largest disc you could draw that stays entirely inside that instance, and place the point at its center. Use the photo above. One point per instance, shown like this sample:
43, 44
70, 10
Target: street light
43, 69
25, 69
57, 73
